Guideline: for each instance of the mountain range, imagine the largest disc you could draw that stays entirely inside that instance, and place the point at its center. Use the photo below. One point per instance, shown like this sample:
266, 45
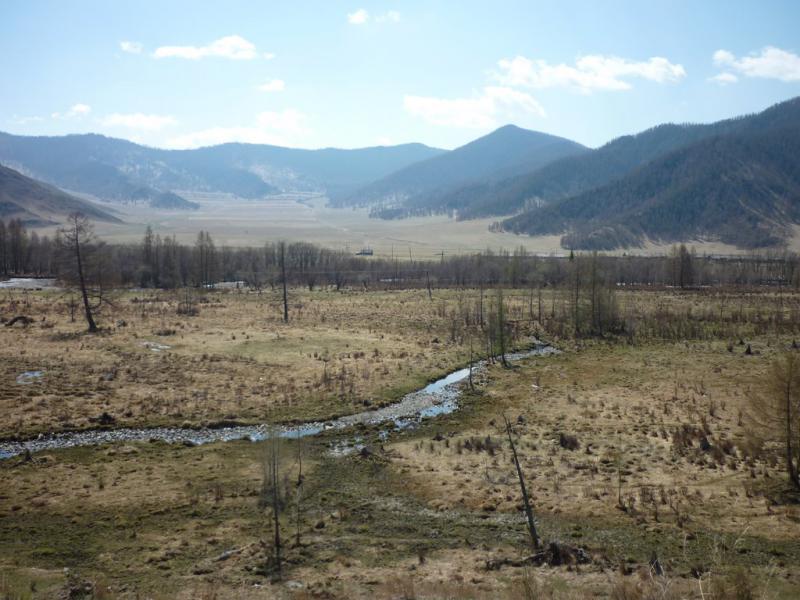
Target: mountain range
120, 171
420, 187
735, 181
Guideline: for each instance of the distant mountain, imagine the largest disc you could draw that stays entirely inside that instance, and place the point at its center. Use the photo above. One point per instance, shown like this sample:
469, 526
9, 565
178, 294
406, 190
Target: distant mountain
121, 171
741, 186
38, 204
576, 174
423, 186
334, 171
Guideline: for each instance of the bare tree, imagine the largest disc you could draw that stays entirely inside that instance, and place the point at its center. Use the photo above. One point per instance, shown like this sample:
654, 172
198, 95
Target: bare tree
501, 327
532, 531
682, 266
204, 260
776, 412
283, 281
575, 259
298, 498
76, 235
271, 494
3, 248
471, 384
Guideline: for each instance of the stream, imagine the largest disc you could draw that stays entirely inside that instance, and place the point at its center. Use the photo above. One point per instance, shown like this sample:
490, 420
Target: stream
438, 398
28, 283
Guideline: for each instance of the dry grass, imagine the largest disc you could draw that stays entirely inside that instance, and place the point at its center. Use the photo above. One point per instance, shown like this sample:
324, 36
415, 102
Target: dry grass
235, 360
627, 449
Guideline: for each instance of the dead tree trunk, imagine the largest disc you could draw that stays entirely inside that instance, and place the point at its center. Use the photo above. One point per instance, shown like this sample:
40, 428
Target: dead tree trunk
428, 278
299, 494
535, 539
86, 306
283, 278
501, 327
471, 385
274, 482
76, 234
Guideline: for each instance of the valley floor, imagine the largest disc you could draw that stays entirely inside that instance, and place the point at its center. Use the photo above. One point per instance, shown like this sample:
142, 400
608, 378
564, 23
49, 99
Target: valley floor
236, 222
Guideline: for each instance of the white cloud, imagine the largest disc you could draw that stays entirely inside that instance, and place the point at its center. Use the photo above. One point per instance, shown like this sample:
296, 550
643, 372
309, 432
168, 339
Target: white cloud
478, 112
769, 63
724, 78
359, 17
79, 110
269, 55
138, 121
74, 112
591, 72
723, 57
233, 47
282, 128
391, 16
131, 47
17, 120
273, 85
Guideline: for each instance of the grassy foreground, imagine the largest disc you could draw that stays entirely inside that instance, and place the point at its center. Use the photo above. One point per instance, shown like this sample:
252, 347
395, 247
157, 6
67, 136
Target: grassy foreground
234, 360
610, 437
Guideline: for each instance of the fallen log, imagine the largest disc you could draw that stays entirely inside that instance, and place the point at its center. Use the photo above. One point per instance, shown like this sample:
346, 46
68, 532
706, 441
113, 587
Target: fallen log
20, 319
556, 554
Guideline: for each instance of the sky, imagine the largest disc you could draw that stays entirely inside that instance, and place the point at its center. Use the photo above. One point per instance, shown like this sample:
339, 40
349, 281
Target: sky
184, 74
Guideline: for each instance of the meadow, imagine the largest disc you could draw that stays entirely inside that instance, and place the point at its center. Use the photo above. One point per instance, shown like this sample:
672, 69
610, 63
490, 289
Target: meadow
637, 447
236, 222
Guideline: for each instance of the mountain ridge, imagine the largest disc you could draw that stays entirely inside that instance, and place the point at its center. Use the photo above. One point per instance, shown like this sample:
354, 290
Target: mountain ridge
741, 187
505, 151
36, 203
573, 175
122, 171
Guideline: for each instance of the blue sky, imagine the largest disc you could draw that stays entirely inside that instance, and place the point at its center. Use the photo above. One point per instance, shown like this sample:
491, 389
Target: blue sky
352, 74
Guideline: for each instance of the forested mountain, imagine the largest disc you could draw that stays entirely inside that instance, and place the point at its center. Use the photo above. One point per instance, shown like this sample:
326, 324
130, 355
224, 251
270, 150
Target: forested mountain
420, 187
121, 171
576, 174
741, 188
37, 204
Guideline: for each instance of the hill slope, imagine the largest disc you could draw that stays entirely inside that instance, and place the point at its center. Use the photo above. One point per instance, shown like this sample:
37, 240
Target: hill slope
576, 174
36, 203
503, 153
121, 171
742, 189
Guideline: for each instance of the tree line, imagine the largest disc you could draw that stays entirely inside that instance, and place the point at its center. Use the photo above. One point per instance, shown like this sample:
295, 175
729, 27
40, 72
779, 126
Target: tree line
164, 262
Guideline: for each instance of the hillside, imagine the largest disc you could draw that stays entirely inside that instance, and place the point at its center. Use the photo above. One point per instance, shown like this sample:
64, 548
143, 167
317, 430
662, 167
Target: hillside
38, 204
503, 153
334, 171
741, 189
121, 171
573, 175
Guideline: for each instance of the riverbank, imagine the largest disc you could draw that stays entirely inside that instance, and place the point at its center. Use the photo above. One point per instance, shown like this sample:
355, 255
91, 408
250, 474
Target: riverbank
439, 397
234, 361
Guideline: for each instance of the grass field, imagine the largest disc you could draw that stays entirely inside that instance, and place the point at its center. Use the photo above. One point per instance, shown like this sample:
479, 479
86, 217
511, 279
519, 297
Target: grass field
609, 433
235, 360
237, 222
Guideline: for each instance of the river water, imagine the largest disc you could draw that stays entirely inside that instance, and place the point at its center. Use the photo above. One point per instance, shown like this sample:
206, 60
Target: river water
27, 283
438, 398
